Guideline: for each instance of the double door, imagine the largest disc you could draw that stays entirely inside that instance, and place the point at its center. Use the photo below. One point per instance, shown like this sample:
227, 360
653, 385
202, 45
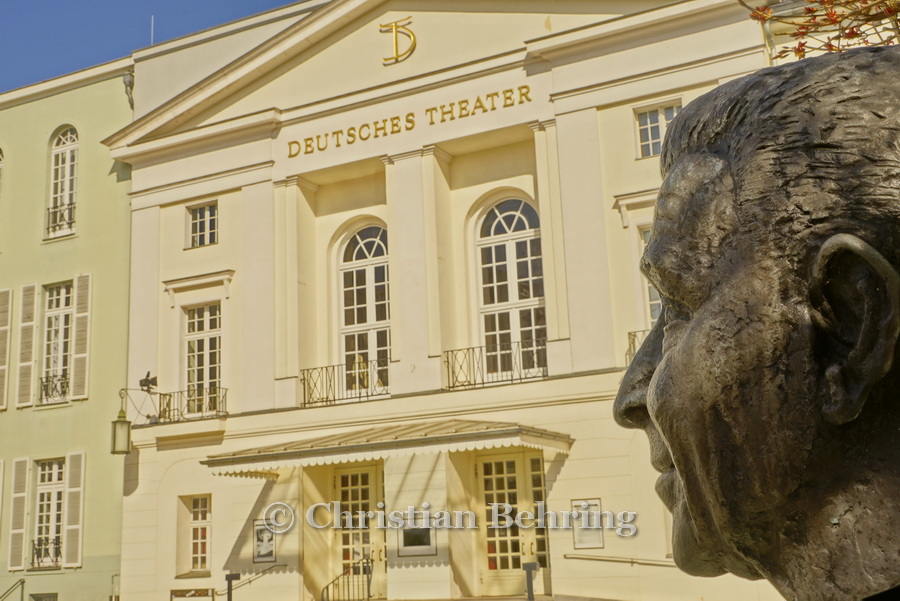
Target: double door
516, 480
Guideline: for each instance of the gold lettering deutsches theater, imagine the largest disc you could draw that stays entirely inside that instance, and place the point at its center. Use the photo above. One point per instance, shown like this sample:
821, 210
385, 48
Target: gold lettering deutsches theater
391, 126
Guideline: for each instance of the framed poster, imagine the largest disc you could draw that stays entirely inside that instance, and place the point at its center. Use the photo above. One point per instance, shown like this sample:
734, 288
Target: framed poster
263, 543
587, 531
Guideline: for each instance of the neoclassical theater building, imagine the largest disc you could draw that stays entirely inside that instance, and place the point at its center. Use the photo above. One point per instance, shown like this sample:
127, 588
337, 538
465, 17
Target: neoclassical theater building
384, 253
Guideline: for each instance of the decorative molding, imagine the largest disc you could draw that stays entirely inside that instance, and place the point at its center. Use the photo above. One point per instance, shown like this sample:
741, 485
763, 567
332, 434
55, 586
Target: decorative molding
634, 200
537, 126
219, 278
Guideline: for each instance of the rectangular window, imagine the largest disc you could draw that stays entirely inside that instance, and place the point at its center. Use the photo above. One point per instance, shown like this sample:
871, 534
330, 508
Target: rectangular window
48, 528
204, 225
201, 516
652, 125
203, 347
58, 322
651, 295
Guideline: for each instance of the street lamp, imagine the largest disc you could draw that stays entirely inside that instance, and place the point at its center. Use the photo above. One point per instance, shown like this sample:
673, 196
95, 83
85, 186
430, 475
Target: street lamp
121, 430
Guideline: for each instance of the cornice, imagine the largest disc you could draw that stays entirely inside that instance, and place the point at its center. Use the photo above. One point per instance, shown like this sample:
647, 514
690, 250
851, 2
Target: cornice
66, 83
609, 33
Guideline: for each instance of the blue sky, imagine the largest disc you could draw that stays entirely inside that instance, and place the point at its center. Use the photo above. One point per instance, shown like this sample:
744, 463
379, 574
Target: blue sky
42, 39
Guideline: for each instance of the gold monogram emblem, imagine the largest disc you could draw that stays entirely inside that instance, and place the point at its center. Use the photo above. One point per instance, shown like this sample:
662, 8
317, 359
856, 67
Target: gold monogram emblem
398, 28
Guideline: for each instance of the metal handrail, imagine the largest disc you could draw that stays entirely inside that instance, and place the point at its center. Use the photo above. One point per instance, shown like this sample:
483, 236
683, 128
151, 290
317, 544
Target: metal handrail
353, 584
54, 389
20, 583
635, 340
196, 403
46, 549
502, 363
60, 218
356, 380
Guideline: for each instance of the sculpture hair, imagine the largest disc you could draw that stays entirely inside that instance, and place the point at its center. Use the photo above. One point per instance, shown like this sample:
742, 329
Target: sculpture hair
814, 147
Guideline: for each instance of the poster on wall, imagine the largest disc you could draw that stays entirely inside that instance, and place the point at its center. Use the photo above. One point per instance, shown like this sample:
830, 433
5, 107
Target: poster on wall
263, 543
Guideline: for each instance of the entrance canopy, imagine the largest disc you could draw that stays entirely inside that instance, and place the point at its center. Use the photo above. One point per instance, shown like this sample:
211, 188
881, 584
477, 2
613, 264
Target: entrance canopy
379, 442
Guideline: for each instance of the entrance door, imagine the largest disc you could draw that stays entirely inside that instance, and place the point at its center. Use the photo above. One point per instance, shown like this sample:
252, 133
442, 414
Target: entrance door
516, 479
359, 489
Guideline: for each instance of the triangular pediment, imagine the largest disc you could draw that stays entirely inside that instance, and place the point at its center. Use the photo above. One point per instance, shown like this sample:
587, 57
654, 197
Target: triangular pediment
349, 47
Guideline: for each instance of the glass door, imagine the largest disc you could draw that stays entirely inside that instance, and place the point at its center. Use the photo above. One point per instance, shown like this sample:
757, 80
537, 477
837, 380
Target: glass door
359, 490
517, 480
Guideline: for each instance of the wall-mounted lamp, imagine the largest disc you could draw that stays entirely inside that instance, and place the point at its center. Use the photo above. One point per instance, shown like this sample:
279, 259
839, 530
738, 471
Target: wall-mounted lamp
121, 430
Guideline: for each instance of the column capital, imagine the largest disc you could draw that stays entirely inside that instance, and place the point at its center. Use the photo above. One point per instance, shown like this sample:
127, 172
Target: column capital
537, 126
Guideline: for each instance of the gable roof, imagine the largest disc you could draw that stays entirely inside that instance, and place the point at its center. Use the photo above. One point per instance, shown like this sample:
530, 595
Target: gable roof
265, 57
331, 17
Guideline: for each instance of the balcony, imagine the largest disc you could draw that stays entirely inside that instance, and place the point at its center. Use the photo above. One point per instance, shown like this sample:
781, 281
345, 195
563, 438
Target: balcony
505, 363
46, 552
197, 403
635, 340
54, 389
359, 381
60, 220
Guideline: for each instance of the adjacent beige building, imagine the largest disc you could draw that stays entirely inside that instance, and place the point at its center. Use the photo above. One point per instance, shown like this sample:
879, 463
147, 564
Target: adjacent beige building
64, 263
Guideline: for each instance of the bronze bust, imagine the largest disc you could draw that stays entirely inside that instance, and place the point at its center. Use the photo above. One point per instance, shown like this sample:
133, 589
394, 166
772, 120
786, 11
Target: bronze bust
768, 387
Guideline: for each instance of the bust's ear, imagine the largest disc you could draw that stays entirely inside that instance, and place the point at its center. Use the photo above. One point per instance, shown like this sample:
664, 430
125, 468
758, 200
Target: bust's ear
855, 295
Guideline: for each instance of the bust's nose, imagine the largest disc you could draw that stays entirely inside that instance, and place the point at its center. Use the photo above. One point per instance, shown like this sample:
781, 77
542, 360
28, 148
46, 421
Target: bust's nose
630, 407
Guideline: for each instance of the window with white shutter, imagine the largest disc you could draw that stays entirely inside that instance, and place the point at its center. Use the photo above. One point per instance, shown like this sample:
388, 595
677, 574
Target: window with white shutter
25, 391
18, 513
5, 319
74, 520
82, 336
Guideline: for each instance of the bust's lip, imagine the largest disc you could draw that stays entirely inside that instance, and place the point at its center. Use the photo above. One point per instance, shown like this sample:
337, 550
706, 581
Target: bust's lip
666, 486
660, 458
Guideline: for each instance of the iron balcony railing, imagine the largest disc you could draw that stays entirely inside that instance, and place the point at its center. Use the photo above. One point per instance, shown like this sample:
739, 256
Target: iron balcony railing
196, 403
635, 340
46, 552
354, 583
360, 381
54, 389
60, 219
503, 363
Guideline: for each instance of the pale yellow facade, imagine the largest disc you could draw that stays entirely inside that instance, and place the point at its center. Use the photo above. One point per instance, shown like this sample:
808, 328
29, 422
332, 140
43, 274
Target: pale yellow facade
64, 264
301, 359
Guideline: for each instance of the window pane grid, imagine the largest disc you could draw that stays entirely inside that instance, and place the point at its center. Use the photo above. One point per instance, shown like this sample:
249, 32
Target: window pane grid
365, 311
48, 529
501, 485
651, 294
201, 516
58, 319
652, 128
203, 357
204, 225
513, 324
63, 182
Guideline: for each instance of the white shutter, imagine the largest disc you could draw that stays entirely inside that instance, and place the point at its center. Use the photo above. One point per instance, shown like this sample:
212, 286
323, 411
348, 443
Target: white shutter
27, 334
73, 530
5, 319
81, 365
18, 513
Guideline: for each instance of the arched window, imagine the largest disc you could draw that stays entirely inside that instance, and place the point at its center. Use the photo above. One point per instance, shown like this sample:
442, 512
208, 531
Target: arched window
513, 320
63, 183
365, 312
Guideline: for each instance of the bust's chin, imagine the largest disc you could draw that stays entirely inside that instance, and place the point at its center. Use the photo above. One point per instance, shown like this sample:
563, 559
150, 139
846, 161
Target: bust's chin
703, 559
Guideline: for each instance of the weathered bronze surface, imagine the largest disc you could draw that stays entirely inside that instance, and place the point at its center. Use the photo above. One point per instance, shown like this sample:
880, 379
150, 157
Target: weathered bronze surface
768, 388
